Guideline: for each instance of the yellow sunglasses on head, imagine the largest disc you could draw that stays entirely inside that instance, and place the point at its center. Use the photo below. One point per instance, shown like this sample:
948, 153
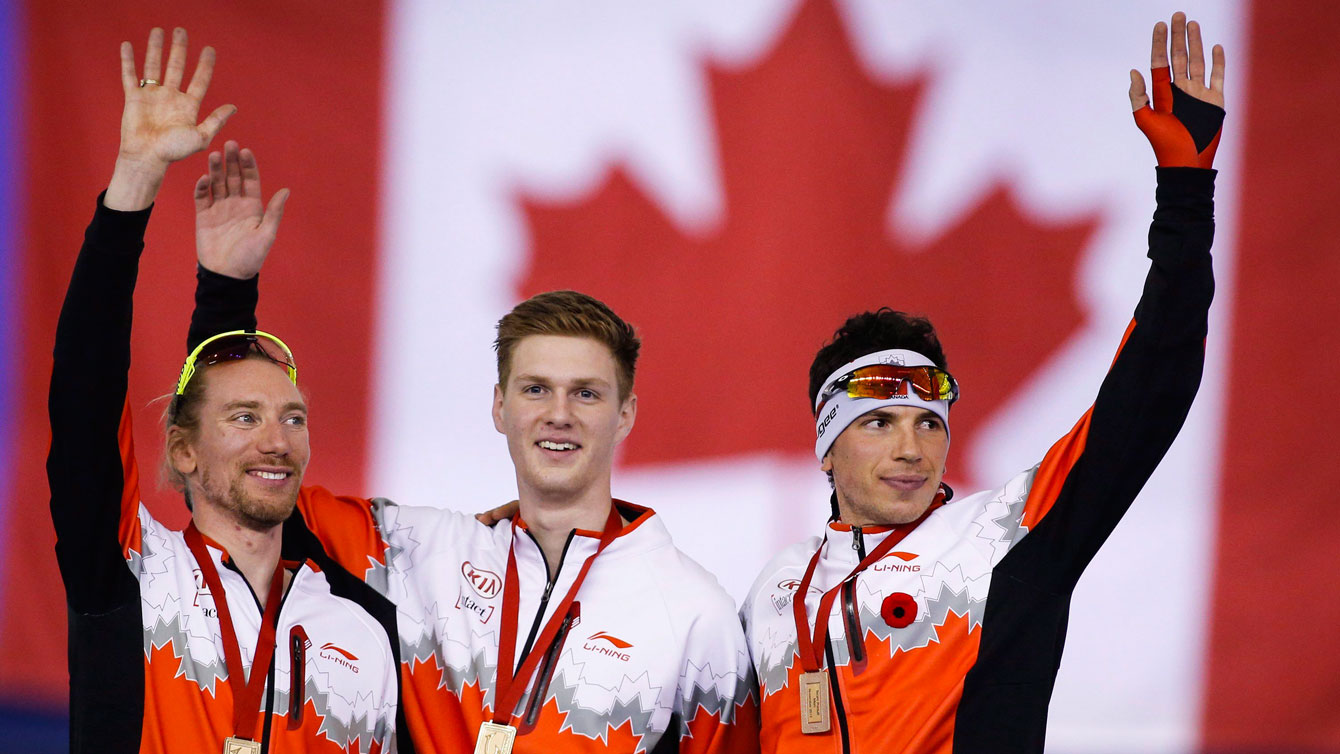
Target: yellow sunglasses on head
234, 345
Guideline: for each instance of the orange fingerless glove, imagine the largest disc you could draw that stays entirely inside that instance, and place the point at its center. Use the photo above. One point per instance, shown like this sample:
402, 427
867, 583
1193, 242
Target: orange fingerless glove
1183, 130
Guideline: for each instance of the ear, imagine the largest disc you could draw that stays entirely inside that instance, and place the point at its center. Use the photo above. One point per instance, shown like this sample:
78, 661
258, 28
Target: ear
181, 454
627, 416
498, 409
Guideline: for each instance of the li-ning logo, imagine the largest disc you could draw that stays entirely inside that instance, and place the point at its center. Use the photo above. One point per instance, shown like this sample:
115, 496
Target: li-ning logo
823, 425
339, 656
486, 583
616, 644
905, 567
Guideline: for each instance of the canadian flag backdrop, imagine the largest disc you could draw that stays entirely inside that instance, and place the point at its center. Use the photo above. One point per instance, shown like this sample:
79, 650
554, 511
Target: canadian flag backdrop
735, 178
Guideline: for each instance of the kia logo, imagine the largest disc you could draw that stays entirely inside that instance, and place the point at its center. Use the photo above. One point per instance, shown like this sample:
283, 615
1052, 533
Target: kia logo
486, 583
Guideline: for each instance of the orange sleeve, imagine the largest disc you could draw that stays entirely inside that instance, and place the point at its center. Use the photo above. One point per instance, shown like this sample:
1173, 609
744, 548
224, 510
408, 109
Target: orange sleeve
346, 527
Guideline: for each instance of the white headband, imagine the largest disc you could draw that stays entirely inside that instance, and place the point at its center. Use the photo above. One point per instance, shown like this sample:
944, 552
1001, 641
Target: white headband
841, 410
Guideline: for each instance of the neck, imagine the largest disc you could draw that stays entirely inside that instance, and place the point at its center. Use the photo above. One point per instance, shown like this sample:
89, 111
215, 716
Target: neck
255, 552
551, 521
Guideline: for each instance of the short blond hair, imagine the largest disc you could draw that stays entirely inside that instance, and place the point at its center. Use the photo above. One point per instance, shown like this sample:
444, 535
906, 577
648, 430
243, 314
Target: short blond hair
573, 314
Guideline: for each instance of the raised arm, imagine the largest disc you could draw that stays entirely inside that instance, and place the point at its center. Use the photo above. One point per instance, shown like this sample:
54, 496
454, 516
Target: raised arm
1089, 479
90, 467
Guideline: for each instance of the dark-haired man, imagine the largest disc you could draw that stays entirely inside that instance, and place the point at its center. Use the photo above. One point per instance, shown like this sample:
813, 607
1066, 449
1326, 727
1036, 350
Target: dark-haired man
923, 623
576, 625
239, 635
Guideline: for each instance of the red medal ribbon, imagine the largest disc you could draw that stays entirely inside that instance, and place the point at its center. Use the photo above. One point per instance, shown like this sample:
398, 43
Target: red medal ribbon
508, 687
247, 692
811, 649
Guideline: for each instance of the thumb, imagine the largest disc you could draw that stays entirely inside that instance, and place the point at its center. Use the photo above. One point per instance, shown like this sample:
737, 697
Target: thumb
274, 212
214, 123
1138, 97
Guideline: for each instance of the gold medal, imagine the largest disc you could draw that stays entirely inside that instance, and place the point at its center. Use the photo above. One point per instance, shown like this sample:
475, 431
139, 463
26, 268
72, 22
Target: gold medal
234, 745
495, 739
813, 702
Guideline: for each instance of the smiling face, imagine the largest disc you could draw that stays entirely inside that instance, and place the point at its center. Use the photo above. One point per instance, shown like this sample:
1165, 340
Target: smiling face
562, 415
247, 455
887, 465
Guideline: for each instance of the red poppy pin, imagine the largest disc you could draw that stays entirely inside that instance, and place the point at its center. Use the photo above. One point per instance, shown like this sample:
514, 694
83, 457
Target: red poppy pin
899, 610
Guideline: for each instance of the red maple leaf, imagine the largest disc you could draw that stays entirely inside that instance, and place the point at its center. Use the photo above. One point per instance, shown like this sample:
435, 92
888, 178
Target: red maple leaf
810, 151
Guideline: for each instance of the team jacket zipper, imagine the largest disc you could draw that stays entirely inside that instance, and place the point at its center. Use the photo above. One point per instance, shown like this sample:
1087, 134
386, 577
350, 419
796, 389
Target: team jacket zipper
270, 677
850, 615
546, 673
541, 688
857, 652
852, 620
838, 711
544, 598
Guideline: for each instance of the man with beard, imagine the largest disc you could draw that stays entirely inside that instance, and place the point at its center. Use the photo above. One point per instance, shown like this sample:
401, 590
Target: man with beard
922, 623
238, 635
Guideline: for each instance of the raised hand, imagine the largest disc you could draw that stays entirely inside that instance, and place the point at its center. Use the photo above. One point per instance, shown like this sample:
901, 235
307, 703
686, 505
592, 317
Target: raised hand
159, 122
233, 229
1184, 124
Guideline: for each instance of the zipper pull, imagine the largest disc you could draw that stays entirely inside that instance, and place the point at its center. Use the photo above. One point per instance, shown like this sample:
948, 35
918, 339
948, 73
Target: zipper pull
858, 542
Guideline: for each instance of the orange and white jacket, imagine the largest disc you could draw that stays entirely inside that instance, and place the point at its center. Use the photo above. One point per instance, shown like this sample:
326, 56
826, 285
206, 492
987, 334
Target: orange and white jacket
991, 574
147, 670
654, 659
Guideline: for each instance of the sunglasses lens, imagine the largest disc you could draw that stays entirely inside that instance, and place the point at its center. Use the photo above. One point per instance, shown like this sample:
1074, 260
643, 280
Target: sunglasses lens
944, 386
884, 381
272, 351
227, 349
869, 383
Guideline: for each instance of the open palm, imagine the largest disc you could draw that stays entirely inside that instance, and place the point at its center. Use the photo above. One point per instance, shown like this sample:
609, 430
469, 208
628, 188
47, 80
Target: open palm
1188, 64
158, 123
234, 229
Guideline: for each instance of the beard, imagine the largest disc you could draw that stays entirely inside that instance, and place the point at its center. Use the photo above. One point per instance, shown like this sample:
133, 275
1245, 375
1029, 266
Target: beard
256, 512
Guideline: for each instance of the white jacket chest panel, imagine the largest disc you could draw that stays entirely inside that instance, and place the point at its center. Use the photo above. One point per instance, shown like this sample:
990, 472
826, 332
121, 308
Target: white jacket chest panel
945, 566
349, 672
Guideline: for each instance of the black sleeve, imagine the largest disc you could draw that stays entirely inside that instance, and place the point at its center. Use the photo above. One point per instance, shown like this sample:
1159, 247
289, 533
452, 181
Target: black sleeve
1145, 397
222, 304
86, 403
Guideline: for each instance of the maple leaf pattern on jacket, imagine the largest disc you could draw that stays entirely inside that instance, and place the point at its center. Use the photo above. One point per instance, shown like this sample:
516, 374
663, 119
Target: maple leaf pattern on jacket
811, 150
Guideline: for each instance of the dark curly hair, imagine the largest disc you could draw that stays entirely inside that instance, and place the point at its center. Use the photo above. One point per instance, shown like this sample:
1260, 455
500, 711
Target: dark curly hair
868, 332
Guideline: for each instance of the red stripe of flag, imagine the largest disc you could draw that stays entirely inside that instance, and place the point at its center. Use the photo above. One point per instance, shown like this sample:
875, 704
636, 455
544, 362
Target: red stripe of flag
308, 78
1274, 669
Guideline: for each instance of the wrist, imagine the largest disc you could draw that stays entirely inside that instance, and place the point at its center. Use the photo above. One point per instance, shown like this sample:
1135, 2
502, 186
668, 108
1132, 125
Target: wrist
135, 183
234, 272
